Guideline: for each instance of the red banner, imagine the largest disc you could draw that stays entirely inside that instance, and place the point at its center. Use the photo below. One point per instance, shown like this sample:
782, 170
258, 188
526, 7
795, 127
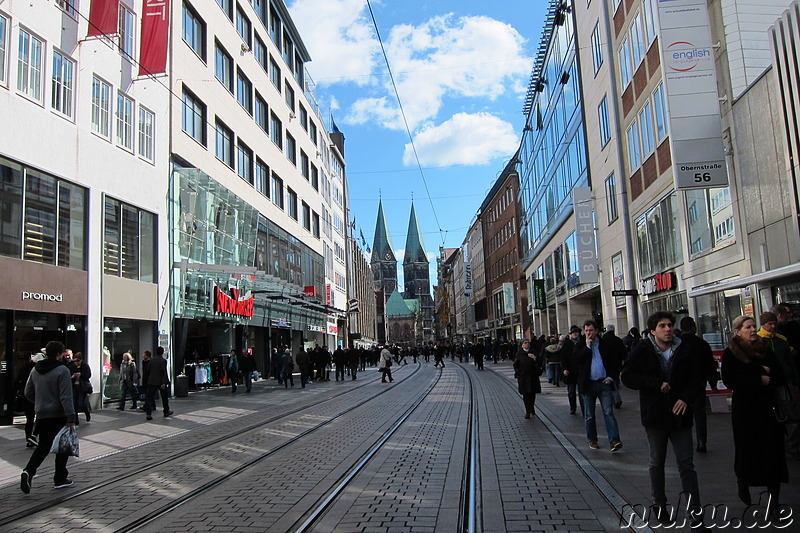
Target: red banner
155, 36
233, 304
103, 17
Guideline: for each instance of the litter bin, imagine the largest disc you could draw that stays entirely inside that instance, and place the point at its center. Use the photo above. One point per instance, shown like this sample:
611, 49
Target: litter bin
181, 387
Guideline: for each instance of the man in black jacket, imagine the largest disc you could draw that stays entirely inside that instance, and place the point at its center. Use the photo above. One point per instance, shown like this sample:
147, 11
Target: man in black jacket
596, 366
669, 380
708, 367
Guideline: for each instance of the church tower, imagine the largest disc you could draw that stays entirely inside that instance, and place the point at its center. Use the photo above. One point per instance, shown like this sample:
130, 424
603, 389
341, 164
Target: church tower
416, 275
383, 260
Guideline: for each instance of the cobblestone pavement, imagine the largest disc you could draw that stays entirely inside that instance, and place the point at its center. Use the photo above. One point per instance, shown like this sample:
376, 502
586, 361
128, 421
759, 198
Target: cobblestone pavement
535, 475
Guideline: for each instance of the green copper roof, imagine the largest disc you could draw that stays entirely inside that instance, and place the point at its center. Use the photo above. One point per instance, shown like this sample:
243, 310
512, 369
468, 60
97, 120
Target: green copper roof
383, 242
413, 304
396, 306
415, 249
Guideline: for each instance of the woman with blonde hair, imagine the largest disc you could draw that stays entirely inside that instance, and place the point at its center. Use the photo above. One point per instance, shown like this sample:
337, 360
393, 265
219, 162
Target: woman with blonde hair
128, 381
751, 370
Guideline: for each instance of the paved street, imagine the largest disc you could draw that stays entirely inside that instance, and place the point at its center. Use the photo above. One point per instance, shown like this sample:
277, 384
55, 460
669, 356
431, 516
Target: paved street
286, 449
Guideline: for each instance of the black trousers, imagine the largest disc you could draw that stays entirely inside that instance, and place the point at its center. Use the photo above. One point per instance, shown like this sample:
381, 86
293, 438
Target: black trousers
48, 428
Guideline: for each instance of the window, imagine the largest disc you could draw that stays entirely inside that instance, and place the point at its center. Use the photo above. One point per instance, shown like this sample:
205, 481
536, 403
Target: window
611, 198
658, 238
101, 107
313, 132
625, 63
597, 48
298, 70
261, 54
194, 117
275, 28
127, 32
288, 51
129, 241
646, 125
260, 113
637, 41
63, 76
314, 177
303, 117
224, 144
147, 125
262, 178
277, 190
3, 40
125, 121
710, 217
227, 7
306, 216
194, 31
315, 224
275, 74
304, 165
634, 148
605, 124
260, 7
660, 106
223, 66
650, 19
276, 130
243, 27
291, 203
29, 65
289, 95
291, 149
244, 162
68, 6
244, 91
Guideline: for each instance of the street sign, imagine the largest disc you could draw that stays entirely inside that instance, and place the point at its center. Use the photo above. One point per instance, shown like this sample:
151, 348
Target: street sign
626, 292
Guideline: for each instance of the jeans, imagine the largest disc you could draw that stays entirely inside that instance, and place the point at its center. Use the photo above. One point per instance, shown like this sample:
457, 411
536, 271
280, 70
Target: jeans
248, 381
339, 372
572, 394
606, 394
124, 390
287, 379
150, 399
682, 447
48, 428
700, 420
554, 373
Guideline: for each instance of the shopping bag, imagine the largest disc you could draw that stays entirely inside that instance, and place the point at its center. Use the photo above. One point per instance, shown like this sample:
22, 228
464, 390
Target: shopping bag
66, 441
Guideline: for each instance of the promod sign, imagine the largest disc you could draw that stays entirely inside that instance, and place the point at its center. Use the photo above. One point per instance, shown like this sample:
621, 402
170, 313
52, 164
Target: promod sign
233, 304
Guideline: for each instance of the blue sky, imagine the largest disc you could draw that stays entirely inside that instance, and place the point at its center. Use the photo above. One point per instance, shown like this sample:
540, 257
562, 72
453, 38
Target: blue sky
461, 69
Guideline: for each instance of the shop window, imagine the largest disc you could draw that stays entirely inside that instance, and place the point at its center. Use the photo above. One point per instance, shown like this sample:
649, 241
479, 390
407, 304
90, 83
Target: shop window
11, 184
658, 238
41, 192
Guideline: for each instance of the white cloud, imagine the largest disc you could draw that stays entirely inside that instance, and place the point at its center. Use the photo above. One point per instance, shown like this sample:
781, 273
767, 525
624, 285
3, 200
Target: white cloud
465, 139
339, 38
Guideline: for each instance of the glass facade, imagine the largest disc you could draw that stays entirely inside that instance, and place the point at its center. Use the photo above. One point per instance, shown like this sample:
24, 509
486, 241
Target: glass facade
553, 149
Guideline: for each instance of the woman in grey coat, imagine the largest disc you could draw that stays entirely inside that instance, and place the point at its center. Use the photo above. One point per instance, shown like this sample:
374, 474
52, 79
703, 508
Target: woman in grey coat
128, 381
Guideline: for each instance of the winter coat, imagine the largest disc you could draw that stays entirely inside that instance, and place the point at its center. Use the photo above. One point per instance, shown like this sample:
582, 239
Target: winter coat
287, 363
568, 363
555, 352
246, 363
157, 372
644, 372
582, 360
386, 359
758, 438
528, 368
701, 349
128, 372
49, 388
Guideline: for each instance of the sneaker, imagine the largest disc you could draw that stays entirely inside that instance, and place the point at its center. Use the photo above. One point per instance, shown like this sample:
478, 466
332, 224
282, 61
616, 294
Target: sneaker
33, 440
701, 447
168, 413
618, 405
25, 482
149, 417
63, 484
593, 445
616, 445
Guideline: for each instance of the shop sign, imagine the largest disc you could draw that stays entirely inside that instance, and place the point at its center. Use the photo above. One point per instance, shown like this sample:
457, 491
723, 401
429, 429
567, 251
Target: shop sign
584, 234
660, 282
539, 296
42, 296
233, 304
328, 295
508, 298
280, 323
333, 330
467, 278
318, 329
310, 291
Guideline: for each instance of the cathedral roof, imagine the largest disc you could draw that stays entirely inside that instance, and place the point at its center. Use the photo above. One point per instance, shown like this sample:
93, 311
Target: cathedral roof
396, 306
382, 242
415, 249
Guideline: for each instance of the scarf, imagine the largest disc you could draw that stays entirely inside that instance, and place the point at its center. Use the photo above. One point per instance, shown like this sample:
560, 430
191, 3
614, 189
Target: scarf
746, 351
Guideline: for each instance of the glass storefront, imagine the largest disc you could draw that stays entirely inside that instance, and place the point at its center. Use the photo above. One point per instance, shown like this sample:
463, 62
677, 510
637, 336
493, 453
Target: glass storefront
119, 336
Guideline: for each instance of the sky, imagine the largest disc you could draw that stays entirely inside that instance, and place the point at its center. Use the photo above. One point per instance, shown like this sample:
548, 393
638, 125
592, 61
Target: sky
461, 70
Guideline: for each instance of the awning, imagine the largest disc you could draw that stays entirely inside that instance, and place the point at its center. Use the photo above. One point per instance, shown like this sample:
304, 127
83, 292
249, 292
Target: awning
755, 279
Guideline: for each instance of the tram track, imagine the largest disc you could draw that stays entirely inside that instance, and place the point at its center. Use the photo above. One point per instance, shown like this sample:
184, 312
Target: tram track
182, 454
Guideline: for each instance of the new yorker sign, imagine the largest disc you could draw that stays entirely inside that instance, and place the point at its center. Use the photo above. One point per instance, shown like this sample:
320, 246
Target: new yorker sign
233, 304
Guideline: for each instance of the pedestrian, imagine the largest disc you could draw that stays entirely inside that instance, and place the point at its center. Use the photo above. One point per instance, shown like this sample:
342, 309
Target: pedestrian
555, 355
708, 370
232, 370
570, 370
81, 386
527, 369
157, 380
49, 387
27, 406
751, 371
478, 353
596, 366
353, 358
631, 338
617, 350
303, 360
340, 360
787, 325
247, 365
669, 380
386, 365
438, 355
287, 367
128, 381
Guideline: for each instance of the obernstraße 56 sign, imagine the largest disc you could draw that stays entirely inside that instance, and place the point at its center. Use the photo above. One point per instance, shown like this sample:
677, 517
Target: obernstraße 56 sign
690, 80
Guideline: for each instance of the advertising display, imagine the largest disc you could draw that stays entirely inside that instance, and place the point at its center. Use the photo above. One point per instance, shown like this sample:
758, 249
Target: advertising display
584, 234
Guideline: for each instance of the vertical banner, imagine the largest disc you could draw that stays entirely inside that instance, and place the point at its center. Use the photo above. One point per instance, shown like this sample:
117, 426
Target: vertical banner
690, 80
619, 278
103, 17
508, 299
539, 294
584, 234
467, 279
155, 37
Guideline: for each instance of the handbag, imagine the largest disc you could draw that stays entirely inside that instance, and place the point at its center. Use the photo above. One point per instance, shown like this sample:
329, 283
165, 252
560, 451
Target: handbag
66, 442
786, 403
86, 386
